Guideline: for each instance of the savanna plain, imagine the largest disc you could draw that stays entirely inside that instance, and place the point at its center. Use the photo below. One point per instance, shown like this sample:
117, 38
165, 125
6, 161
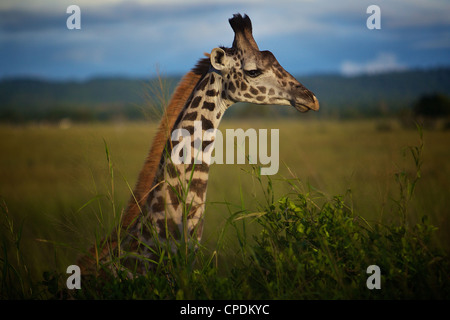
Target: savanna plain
61, 187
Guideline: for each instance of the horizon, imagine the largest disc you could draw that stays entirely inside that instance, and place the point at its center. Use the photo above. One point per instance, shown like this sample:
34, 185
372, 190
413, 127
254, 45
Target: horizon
101, 77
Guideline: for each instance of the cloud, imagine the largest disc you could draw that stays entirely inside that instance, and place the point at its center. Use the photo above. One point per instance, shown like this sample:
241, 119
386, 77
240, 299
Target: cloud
416, 13
439, 42
17, 20
131, 36
383, 62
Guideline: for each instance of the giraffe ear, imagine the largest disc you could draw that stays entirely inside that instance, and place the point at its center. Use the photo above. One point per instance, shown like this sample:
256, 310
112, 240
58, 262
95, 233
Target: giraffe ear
218, 59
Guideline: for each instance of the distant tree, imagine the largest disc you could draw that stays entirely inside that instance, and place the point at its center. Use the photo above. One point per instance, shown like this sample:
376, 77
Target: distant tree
432, 106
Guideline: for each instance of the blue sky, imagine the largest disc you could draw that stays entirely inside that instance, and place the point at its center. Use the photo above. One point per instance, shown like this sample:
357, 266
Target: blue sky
138, 38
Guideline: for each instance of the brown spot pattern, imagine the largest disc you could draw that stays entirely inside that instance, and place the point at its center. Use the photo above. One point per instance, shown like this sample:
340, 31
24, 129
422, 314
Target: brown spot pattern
212, 93
172, 170
208, 105
191, 116
174, 193
172, 228
196, 102
198, 186
159, 205
206, 124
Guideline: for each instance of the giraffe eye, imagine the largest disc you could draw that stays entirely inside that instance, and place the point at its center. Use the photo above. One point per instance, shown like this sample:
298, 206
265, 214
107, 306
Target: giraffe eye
253, 73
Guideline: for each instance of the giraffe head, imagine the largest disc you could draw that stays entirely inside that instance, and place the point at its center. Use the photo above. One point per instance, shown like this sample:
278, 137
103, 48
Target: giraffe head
251, 75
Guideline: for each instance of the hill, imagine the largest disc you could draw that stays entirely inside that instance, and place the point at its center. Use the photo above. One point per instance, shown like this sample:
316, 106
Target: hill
110, 98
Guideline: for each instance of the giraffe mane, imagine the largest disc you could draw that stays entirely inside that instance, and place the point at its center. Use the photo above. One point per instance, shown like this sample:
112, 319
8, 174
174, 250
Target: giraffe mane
146, 176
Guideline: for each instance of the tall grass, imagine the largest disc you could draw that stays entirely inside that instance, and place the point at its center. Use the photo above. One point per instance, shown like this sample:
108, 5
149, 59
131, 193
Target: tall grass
310, 250
301, 244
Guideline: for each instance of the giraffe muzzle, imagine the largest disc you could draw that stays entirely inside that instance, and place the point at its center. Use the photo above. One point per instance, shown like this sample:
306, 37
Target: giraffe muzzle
306, 104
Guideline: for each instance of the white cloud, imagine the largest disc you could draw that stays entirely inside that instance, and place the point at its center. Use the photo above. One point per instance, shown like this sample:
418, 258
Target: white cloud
442, 42
415, 13
79, 55
305, 33
383, 62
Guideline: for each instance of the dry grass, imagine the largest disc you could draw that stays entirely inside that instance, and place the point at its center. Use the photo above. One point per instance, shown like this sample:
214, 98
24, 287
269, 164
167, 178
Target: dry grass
56, 180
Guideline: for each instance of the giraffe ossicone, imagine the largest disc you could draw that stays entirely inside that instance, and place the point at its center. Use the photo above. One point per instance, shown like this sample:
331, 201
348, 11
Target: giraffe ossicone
167, 205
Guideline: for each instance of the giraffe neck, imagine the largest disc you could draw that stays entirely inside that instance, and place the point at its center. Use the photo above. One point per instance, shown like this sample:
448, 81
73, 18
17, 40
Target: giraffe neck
175, 206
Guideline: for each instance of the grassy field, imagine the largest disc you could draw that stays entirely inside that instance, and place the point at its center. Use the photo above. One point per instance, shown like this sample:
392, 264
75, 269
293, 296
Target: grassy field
56, 189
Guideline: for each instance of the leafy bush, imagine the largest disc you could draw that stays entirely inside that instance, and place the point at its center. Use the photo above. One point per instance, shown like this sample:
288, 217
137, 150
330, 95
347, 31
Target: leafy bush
306, 252
311, 251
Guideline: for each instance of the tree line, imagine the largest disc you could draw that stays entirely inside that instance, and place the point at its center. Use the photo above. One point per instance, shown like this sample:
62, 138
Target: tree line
417, 93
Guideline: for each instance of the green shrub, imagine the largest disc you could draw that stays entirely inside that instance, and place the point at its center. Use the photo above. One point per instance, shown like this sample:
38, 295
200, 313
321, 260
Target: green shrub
306, 252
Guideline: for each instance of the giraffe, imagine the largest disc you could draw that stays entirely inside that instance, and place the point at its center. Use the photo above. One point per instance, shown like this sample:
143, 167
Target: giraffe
169, 198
